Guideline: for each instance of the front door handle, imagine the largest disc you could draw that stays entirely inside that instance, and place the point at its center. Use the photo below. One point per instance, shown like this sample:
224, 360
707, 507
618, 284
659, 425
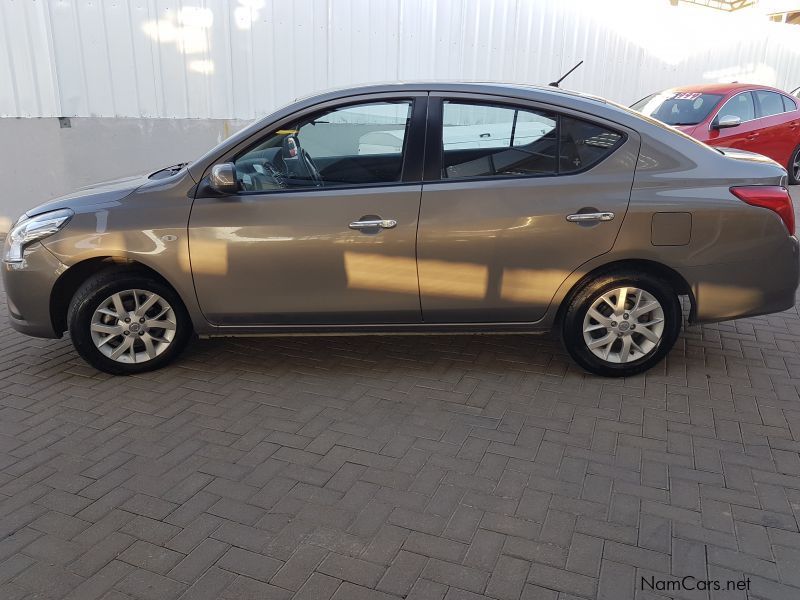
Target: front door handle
374, 224
588, 217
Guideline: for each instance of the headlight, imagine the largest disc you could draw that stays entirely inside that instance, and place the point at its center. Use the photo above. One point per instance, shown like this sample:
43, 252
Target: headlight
27, 231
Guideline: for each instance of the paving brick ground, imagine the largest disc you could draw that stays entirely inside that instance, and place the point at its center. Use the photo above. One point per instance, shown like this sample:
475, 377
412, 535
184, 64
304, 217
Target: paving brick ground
402, 467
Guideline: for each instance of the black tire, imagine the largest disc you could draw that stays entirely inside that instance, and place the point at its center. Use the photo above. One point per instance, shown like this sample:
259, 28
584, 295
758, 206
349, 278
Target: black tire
98, 289
794, 177
573, 322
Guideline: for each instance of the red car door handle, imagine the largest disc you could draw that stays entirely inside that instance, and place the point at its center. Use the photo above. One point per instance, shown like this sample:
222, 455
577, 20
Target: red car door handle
752, 136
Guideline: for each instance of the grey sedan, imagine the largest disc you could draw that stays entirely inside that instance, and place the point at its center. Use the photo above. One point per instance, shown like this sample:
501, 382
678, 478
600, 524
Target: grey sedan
415, 208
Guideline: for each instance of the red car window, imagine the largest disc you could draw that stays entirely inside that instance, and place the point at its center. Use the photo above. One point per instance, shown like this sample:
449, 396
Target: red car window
769, 103
678, 108
741, 105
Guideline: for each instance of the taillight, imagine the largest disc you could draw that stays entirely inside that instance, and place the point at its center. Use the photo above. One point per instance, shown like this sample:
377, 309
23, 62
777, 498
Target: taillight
773, 197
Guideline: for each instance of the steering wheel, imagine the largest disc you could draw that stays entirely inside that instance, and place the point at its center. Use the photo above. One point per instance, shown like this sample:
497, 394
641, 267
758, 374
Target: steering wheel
316, 177
298, 162
277, 176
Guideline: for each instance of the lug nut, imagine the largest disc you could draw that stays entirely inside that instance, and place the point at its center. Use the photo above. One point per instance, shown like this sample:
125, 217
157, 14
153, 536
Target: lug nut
141, 333
625, 316
127, 319
613, 323
141, 320
126, 332
633, 327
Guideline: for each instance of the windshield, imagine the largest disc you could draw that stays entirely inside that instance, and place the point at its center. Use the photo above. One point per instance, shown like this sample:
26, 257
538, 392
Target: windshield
678, 108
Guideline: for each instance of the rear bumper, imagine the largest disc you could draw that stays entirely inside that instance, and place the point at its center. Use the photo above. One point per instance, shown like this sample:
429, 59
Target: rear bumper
747, 288
28, 286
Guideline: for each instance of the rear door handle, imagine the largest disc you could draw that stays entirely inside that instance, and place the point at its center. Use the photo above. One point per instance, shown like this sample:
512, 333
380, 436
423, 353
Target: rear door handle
588, 217
374, 224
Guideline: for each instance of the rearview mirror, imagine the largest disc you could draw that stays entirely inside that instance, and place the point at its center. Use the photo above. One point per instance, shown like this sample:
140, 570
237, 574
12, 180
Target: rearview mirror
223, 178
728, 121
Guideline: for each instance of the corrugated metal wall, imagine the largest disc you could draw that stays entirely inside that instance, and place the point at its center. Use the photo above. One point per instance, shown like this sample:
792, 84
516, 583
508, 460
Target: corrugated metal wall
243, 58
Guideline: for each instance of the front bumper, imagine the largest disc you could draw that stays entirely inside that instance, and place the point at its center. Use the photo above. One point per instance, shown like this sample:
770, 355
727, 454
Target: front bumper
746, 288
28, 285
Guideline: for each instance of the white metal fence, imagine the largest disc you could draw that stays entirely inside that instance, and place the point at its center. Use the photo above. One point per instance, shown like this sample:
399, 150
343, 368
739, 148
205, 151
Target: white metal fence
243, 58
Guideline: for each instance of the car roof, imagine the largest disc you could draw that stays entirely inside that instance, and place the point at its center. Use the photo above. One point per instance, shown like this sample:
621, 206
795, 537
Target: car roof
476, 87
723, 88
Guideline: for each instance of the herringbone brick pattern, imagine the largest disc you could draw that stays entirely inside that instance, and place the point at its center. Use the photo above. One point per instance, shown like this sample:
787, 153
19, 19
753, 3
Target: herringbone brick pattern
457, 467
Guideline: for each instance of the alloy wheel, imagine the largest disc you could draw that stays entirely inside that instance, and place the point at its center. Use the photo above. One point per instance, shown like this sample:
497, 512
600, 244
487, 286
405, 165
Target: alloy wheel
623, 325
133, 326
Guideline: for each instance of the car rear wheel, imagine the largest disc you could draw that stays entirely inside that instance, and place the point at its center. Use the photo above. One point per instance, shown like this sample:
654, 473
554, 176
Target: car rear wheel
621, 324
127, 323
794, 167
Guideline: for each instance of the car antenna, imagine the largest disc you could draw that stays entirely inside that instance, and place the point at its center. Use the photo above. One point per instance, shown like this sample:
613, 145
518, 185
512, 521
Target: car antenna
564, 76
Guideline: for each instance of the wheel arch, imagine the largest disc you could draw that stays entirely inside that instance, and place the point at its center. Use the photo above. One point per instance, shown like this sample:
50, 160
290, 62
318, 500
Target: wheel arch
675, 280
70, 280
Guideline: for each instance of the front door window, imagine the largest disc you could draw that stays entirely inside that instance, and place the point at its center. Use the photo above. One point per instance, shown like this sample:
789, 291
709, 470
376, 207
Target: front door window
740, 106
356, 145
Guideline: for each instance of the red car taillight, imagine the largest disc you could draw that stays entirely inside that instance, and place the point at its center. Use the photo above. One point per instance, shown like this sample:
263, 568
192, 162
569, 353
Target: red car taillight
773, 197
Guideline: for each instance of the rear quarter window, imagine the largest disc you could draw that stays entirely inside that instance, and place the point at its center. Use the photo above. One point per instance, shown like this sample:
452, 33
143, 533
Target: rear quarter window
583, 144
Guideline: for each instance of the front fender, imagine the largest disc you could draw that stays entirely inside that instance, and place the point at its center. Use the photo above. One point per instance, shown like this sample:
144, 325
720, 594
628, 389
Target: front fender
148, 227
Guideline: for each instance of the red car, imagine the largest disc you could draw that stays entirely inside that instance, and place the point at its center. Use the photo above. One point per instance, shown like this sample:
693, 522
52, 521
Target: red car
735, 115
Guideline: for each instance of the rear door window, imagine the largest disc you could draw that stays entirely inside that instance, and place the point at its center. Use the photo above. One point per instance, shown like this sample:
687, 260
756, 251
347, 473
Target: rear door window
487, 140
769, 103
480, 140
788, 104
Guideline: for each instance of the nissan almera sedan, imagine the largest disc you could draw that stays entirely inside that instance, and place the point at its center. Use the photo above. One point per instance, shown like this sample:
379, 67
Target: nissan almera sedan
412, 208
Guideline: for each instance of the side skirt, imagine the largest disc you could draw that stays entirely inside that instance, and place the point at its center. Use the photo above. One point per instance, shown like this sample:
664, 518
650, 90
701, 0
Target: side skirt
352, 330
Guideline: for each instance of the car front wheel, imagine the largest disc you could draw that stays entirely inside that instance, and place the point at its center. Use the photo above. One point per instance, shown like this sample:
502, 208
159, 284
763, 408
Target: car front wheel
124, 323
621, 324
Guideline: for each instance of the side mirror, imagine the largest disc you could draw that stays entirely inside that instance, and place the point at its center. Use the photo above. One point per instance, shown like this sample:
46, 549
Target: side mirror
727, 121
223, 178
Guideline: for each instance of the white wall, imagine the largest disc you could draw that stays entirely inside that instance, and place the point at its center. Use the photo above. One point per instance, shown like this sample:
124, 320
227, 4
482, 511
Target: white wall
243, 58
